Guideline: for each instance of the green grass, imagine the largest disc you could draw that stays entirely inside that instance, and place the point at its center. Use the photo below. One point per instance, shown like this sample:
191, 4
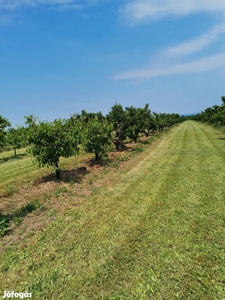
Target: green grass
16, 172
155, 230
17, 216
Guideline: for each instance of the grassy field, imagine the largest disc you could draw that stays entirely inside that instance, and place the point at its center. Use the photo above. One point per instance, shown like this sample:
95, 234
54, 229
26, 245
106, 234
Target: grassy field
17, 171
151, 227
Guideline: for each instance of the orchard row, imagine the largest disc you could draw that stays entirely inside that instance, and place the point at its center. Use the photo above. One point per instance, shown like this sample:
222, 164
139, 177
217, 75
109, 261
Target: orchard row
84, 132
213, 115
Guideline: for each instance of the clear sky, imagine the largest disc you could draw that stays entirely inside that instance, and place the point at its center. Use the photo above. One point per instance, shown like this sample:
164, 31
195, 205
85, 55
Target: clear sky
58, 57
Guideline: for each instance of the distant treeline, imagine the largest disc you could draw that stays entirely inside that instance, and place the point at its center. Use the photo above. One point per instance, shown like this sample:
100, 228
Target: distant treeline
214, 115
85, 132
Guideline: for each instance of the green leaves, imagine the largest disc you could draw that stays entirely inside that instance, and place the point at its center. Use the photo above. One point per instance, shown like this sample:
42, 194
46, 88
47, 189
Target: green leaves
91, 132
3, 124
98, 135
214, 115
52, 140
119, 120
137, 120
17, 137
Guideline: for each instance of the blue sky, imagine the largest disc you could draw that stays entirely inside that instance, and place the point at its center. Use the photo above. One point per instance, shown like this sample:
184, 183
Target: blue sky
58, 57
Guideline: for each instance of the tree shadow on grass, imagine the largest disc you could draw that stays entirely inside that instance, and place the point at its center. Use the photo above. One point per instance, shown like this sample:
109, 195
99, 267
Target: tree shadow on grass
13, 157
147, 140
92, 162
67, 176
127, 147
113, 159
6, 219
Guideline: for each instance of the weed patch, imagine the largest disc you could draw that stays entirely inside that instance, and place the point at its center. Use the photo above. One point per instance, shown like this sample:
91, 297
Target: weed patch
17, 216
138, 149
60, 191
4, 224
10, 191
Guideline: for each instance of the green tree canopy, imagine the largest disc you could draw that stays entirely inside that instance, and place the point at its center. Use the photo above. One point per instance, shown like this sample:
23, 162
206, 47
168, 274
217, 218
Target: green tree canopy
3, 133
52, 140
119, 119
98, 136
213, 115
16, 137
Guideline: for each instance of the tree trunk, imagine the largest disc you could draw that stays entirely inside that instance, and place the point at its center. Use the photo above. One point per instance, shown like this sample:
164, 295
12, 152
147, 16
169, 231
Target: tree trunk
57, 171
146, 133
14, 151
118, 144
96, 156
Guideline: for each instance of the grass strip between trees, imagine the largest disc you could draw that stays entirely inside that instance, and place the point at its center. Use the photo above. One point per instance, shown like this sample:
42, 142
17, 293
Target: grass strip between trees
154, 231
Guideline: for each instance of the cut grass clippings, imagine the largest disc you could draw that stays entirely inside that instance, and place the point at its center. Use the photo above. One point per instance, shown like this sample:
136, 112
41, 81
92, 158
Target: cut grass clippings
155, 230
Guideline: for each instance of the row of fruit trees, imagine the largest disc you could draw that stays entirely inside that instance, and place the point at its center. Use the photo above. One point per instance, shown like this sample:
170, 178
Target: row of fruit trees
214, 115
85, 132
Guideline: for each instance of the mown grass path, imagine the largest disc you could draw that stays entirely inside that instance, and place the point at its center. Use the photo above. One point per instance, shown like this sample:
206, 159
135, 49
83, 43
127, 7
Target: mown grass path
154, 231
